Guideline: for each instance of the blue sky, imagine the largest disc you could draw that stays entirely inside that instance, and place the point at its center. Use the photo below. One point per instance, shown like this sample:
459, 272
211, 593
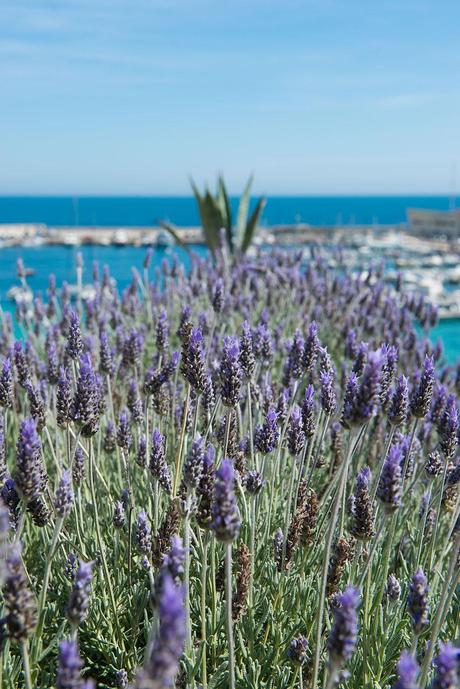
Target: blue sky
312, 96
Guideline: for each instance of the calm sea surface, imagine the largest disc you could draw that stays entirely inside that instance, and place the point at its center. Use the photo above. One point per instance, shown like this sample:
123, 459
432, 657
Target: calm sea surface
132, 211
181, 210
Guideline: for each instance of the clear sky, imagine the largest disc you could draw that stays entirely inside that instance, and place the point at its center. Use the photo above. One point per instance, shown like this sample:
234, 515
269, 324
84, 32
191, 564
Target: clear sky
312, 96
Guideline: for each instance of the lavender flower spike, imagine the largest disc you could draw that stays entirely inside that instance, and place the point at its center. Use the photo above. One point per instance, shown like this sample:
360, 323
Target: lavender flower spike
231, 374
30, 474
162, 661
389, 489
77, 606
421, 399
407, 672
343, 636
64, 495
226, 516
328, 394
69, 668
446, 668
266, 436
417, 601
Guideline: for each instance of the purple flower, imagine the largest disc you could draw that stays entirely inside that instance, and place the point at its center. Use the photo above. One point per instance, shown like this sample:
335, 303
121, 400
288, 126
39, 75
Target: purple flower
295, 432
407, 672
6, 384
78, 603
343, 635
293, 365
124, 435
393, 588
297, 651
174, 560
226, 516
30, 476
389, 489
231, 374
193, 360
193, 465
63, 399
311, 348
162, 660
19, 603
85, 405
74, 343
63, 501
398, 411
254, 482
349, 401
162, 332
449, 427
308, 412
421, 398
266, 436
158, 466
106, 362
446, 668
247, 358
328, 395
69, 668
417, 601
142, 533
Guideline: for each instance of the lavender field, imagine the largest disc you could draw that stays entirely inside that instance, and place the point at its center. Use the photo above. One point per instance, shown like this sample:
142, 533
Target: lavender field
243, 474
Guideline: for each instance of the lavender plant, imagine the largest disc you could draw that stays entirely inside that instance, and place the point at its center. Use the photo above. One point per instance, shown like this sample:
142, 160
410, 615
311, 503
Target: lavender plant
245, 475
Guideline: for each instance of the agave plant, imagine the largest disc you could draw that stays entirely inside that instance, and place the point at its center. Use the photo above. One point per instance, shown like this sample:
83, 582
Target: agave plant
216, 214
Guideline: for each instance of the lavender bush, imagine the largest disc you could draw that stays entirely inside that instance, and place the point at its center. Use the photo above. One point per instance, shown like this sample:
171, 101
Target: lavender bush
243, 475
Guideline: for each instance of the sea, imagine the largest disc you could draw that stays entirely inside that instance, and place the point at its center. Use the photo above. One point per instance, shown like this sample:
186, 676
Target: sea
123, 211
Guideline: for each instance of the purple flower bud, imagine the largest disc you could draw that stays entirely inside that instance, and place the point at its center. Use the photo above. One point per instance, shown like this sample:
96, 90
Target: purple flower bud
174, 560
311, 348
226, 516
253, 482
247, 359
308, 412
193, 360
328, 395
69, 668
30, 476
19, 602
407, 672
231, 375
74, 341
142, 533
63, 501
393, 588
158, 466
389, 489
449, 427
421, 399
121, 679
446, 666
162, 661
78, 603
295, 433
266, 436
218, 296
347, 418
106, 362
119, 515
361, 358
124, 435
63, 399
162, 332
293, 366
141, 455
297, 651
193, 465
343, 635
417, 601
85, 406
398, 411
6, 384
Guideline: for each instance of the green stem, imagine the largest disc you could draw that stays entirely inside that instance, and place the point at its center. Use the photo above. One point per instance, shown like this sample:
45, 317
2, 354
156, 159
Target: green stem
228, 617
26, 664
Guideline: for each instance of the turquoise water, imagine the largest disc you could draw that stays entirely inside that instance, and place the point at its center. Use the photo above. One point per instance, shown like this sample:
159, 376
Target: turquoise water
129, 211
61, 261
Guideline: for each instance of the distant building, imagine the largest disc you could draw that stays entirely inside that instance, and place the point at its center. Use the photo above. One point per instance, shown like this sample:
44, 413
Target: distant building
426, 223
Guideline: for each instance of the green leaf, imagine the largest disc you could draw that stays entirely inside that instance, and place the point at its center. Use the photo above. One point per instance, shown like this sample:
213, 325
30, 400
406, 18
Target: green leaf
252, 224
226, 211
243, 209
174, 234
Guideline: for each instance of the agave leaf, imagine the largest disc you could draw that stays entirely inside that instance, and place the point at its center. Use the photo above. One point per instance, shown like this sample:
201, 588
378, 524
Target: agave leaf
226, 211
252, 224
174, 234
243, 209
212, 220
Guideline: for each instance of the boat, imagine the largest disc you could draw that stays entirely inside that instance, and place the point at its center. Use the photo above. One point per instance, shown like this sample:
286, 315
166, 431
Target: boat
431, 223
